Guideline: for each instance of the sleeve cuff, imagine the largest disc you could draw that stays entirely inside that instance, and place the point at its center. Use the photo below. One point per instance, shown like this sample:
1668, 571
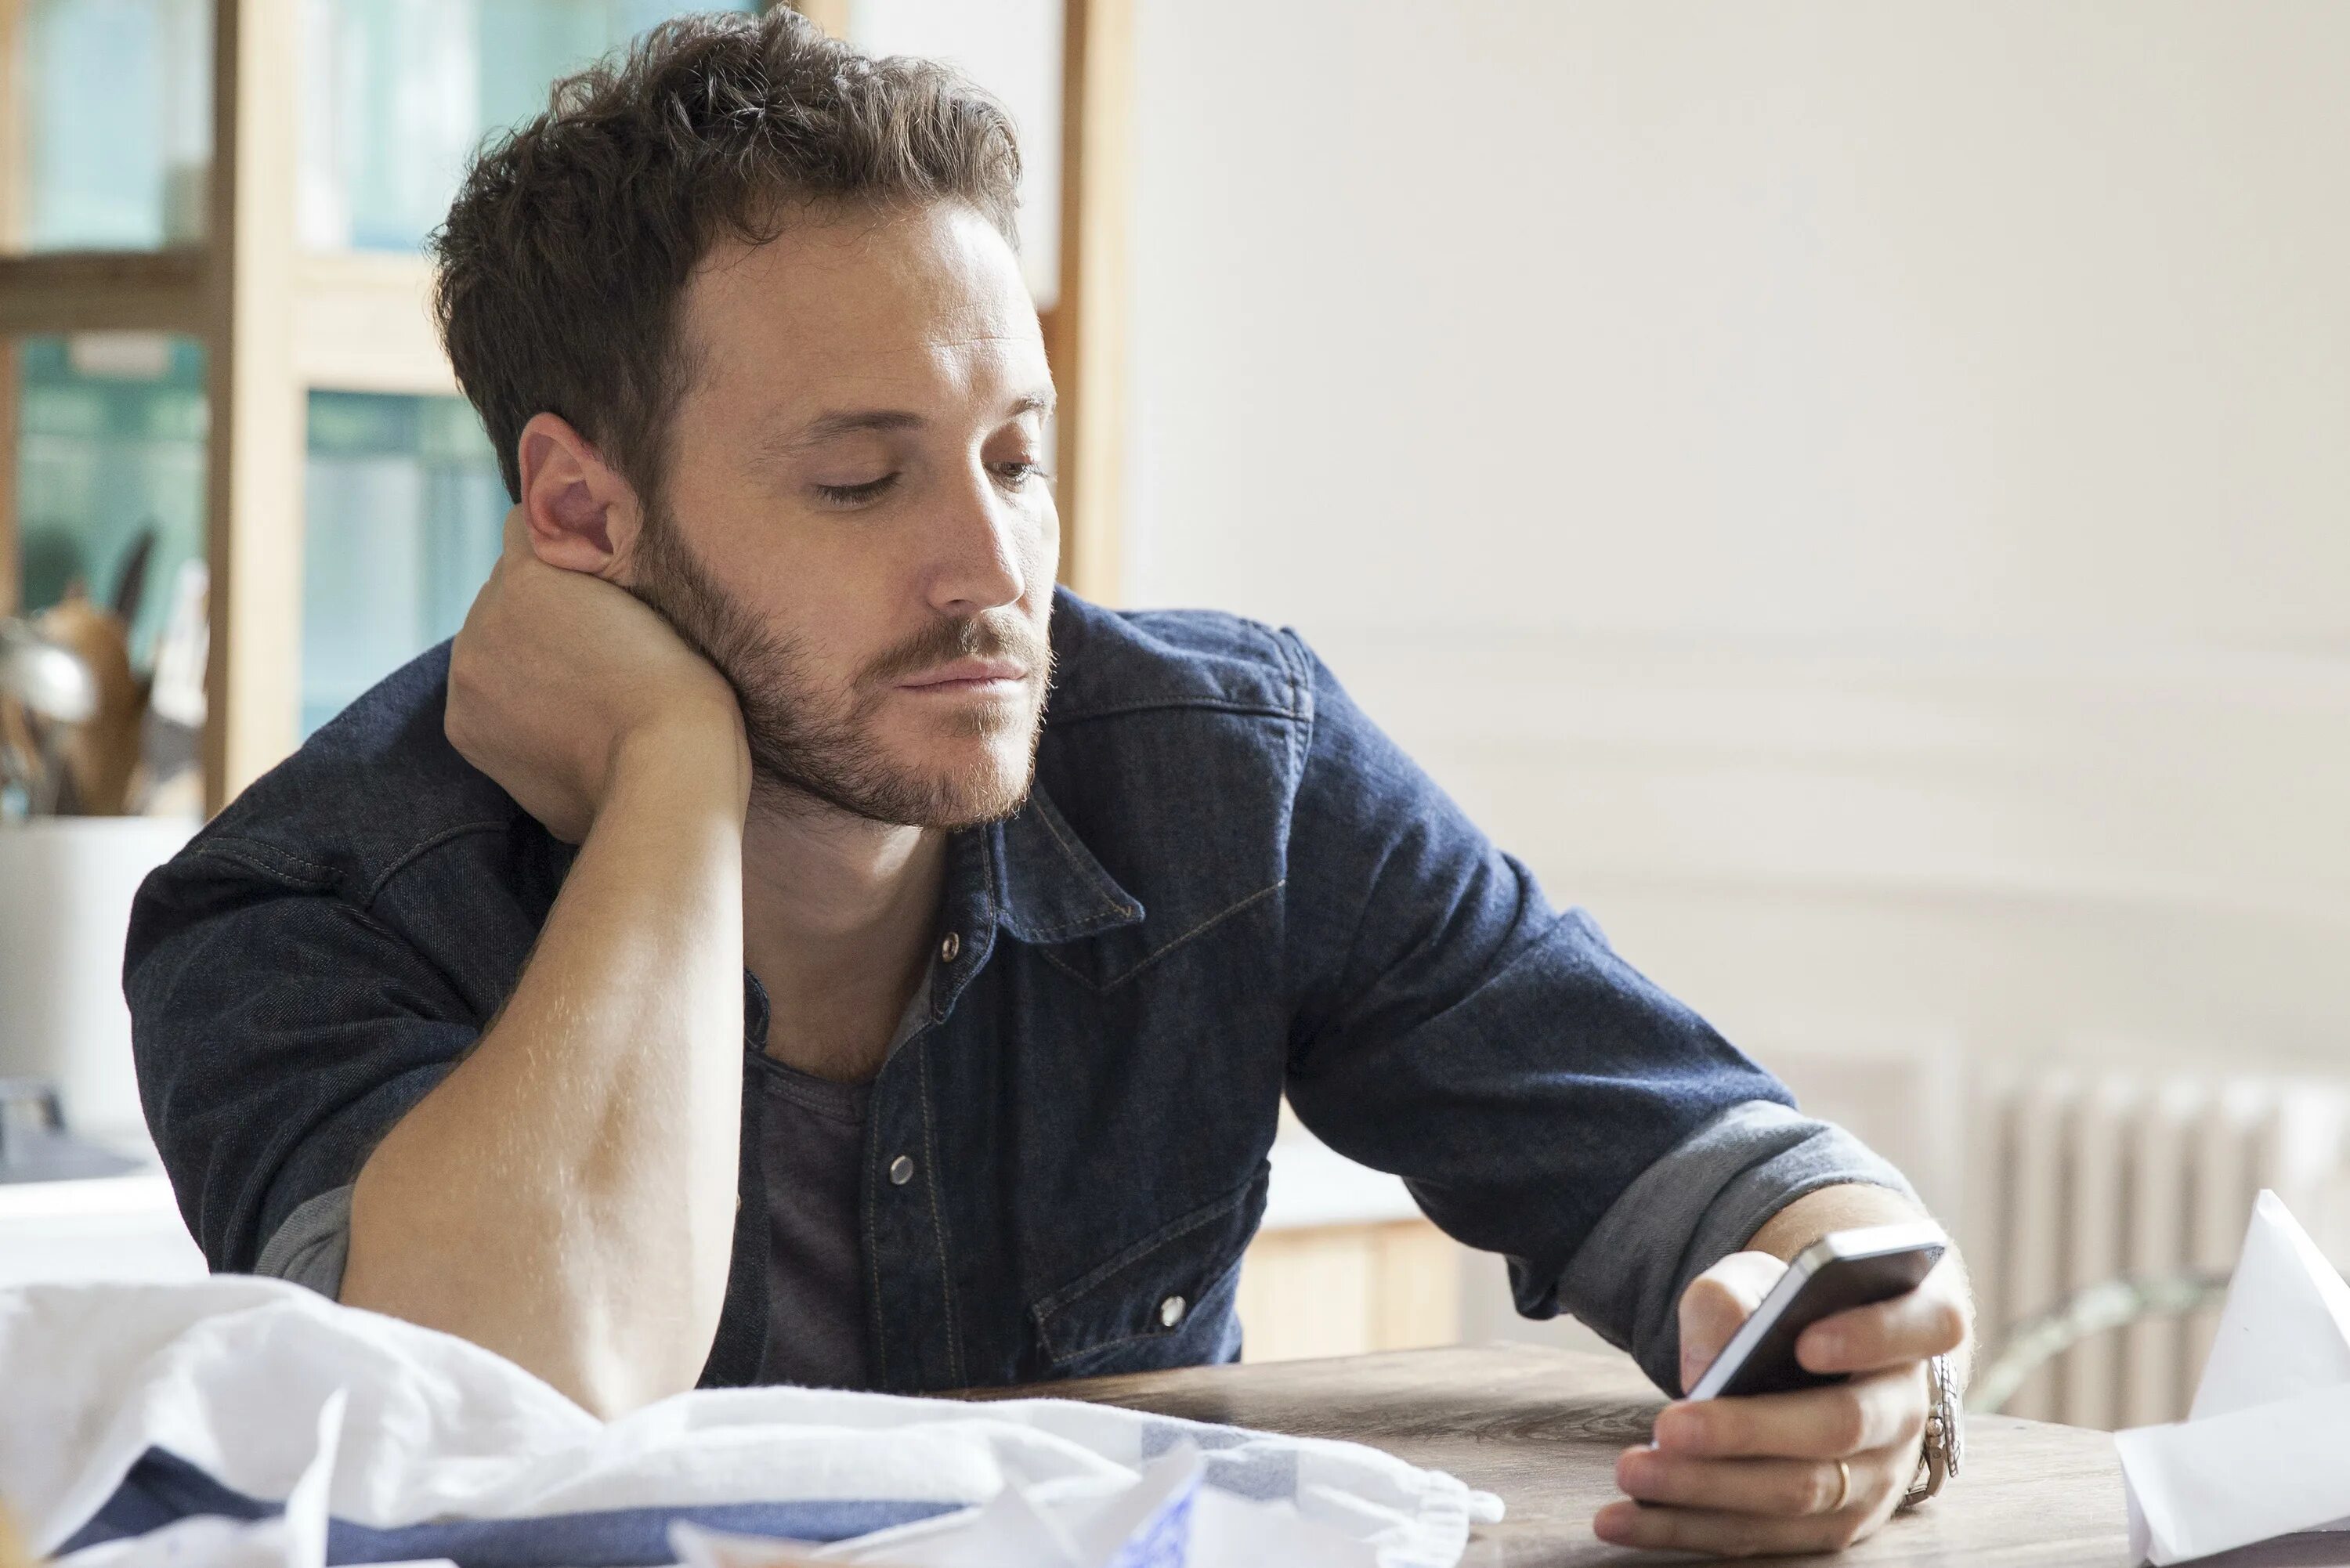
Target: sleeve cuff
1696, 1205
311, 1247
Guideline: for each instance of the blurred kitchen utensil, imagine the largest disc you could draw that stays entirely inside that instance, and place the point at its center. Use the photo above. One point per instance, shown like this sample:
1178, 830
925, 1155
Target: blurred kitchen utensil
46, 693
53, 685
171, 737
131, 577
102, 750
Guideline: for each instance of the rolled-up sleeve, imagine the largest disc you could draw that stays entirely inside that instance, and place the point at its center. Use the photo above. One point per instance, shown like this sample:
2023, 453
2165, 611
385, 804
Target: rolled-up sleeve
278, 1035
1452, 1027
1693, 1206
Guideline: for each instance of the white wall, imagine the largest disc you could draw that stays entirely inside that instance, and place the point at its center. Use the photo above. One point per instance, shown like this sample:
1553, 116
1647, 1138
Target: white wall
1858, 495
1970, 320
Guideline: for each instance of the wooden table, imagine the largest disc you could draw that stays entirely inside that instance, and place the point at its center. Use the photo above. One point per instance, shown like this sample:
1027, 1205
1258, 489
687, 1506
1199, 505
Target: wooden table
1542, 1428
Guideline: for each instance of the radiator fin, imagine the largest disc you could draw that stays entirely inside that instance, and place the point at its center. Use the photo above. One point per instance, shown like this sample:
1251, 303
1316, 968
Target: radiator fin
2079, 1177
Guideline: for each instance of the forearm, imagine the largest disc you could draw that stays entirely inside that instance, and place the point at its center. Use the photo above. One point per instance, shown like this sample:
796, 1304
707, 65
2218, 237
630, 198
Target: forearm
1852, 1206
565, 1197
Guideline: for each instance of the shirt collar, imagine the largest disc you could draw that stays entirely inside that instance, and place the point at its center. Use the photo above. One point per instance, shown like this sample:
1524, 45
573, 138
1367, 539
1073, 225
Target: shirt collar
1048, 887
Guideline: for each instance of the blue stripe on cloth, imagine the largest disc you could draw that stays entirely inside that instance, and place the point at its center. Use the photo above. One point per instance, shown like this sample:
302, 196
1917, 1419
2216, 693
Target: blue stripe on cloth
163, 1488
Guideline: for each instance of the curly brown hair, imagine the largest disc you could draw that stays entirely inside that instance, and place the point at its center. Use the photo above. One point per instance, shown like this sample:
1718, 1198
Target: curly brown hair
566, 256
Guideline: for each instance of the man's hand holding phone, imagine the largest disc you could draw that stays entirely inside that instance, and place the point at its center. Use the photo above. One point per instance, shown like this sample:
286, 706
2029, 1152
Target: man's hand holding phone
1808, 1469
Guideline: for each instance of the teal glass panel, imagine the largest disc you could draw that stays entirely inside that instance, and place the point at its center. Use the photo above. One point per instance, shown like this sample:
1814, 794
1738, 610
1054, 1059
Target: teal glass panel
110, 446
403, 511
399, 93
117, 122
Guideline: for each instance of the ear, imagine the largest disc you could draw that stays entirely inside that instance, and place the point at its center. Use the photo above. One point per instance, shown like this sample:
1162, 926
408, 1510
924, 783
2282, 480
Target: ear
582, 515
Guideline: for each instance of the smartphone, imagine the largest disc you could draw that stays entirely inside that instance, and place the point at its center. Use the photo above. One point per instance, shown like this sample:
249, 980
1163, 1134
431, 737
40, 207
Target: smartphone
1844, 1269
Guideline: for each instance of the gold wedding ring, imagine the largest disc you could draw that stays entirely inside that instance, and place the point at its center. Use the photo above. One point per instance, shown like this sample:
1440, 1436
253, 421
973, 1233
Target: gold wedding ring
1844, 1487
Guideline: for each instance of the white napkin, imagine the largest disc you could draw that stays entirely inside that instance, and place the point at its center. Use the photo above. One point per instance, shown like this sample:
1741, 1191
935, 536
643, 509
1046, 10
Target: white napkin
1166, 1519
2265, 1449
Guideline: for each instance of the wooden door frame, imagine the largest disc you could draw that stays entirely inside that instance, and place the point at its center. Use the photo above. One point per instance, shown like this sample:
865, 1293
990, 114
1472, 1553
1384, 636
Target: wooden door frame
1086, 330
15, 184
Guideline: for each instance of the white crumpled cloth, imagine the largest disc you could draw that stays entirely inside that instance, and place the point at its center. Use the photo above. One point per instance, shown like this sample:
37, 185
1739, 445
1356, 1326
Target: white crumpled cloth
248, 1386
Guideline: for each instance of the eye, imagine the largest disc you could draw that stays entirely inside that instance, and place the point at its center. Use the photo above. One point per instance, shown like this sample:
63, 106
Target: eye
855, 494
1013, 475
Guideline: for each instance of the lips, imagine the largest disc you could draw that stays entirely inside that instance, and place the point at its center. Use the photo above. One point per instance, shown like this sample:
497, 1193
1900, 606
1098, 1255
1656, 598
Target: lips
965, 674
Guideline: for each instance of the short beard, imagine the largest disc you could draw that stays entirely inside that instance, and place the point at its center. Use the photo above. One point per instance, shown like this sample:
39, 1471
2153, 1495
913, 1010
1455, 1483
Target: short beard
808, 746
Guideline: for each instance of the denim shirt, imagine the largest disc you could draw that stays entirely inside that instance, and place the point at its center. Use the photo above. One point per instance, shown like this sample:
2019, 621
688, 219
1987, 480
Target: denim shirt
1227, 885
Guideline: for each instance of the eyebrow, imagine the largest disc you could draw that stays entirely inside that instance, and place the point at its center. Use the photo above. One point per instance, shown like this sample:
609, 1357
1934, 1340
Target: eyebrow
832, 427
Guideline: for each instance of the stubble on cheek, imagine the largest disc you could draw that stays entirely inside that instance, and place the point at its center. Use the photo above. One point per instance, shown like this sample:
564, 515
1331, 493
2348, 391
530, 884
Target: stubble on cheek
810, 744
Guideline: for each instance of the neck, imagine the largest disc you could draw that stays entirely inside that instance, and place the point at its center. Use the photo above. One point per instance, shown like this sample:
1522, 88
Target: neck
838, 914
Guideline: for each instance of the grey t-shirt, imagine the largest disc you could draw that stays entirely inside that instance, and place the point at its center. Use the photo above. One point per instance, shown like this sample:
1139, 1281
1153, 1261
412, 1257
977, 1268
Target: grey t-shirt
811, 1142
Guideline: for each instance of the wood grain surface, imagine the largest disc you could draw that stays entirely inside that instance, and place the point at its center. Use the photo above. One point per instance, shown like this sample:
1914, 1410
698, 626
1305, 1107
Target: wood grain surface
1542, 1427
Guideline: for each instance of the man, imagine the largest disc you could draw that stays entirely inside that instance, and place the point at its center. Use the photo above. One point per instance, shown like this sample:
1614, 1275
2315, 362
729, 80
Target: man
784, 940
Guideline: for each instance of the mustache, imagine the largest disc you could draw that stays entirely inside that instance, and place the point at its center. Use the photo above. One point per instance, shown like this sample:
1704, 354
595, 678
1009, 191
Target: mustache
992, 635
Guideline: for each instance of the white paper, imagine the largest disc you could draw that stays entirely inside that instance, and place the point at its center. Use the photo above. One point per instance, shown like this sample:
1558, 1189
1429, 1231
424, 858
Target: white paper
2265, 1448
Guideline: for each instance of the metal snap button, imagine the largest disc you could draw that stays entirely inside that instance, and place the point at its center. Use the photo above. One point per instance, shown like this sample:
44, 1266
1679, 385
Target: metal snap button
1171, 1310
901, 1170
950, 947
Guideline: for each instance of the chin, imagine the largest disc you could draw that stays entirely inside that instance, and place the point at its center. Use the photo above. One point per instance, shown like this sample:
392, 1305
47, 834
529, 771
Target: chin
990, 782
948, 782
943, 771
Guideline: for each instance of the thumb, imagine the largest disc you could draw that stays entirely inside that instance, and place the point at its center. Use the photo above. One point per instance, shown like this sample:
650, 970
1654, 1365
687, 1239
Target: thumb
1717, 1302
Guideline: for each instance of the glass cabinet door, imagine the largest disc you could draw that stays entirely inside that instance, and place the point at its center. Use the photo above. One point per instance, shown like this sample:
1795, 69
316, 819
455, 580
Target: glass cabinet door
116, 123
397, 94
404, 511
109, 449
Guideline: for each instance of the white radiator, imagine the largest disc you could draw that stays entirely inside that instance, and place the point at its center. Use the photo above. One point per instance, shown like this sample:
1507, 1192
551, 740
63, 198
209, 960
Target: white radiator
2076, 1179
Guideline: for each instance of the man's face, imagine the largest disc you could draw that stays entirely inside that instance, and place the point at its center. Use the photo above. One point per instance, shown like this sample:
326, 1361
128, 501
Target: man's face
857, 526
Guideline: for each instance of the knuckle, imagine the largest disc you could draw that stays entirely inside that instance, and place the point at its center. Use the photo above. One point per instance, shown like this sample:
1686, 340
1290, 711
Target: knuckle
1846, 1426
1813, 1489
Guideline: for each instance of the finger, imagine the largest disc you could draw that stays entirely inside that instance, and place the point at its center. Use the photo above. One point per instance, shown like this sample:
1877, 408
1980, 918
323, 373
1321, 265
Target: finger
1730, 1534
1928, 1321
1717, 1302
1880, 1410
1787, 1489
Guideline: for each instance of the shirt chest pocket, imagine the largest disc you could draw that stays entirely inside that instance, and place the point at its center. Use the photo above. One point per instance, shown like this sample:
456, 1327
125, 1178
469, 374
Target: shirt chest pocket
1165, 1301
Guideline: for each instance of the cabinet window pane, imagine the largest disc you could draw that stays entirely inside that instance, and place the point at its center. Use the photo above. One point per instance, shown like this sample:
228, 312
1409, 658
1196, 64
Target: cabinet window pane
403, 509
110, 447
398, 93
117, 122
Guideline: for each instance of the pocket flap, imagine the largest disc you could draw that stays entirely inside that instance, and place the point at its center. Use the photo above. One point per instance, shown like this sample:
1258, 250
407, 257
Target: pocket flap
1150, 1289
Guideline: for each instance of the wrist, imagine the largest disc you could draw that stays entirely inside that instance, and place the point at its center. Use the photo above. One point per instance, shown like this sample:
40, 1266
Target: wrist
684, 757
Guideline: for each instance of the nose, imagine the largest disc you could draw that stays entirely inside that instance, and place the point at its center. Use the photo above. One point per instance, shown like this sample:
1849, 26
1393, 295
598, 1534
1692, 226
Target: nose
980, 562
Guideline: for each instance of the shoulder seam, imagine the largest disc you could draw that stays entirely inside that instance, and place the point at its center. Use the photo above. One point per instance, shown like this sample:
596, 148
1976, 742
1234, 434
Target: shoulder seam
402, 862
282, 865
269, 860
